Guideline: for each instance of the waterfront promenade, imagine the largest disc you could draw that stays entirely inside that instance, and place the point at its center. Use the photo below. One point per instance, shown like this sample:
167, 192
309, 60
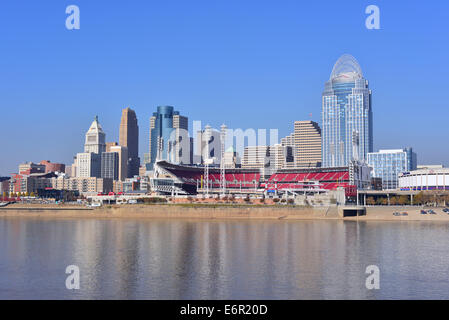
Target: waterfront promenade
217, 211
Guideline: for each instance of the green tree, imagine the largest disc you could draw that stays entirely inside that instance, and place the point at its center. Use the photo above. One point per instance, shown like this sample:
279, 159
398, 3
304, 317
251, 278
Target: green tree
403, 200
418, 198
393, 200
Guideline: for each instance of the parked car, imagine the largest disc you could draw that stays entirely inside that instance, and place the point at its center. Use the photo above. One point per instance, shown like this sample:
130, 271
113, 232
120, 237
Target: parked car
431, 212
423, 212
404, 213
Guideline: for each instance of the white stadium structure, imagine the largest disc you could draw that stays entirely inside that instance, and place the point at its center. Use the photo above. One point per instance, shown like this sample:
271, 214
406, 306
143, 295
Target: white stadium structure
423, 179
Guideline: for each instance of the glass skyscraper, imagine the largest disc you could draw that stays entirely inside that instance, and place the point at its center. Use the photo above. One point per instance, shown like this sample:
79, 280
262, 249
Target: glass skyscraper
347, 117
388, 164
165, 136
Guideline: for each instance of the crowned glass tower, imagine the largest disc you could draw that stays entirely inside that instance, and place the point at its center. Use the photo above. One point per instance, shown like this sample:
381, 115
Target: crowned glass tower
347, 117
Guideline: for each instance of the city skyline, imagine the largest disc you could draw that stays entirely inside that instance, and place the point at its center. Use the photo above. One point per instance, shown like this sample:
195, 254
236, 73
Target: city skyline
263, 75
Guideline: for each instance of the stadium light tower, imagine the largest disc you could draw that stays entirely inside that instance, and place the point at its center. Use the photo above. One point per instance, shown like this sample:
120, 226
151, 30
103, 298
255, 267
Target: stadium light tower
207, 159
222, 161
355, 145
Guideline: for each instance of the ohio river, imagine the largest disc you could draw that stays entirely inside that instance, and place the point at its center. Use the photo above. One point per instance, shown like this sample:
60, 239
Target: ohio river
204, 259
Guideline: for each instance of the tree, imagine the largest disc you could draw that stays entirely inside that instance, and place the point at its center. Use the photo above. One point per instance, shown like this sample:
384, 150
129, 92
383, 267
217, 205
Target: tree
403, 200
418, 198
382, 201
393, 201
32, 194
370, 201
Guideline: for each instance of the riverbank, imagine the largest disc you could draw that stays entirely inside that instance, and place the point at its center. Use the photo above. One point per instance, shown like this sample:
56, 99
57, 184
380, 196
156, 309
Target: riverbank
216, 211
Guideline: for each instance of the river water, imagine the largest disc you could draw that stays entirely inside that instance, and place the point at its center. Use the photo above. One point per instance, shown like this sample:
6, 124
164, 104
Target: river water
192, 259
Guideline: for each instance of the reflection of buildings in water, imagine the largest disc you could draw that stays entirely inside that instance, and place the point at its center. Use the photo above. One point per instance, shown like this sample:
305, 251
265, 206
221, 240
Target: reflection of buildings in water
126, 253
86, 251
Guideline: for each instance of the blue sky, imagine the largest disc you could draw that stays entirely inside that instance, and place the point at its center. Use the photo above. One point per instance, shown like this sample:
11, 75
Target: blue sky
249, 64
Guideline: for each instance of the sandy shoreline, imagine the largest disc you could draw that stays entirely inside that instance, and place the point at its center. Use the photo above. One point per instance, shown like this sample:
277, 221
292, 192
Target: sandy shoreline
215, 212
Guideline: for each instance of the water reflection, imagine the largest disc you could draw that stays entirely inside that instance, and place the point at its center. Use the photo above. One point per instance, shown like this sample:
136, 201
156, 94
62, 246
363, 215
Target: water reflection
181, 259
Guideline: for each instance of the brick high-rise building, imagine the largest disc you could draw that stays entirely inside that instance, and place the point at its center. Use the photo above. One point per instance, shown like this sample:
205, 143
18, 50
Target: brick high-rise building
52, 167
129, 137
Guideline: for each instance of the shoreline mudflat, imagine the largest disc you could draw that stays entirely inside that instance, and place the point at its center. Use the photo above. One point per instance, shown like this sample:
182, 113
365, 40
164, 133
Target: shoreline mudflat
223, 212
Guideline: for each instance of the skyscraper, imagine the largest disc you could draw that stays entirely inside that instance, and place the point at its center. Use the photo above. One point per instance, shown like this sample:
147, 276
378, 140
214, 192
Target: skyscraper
305, 145
307, 137
110, 165
168, 137
122, 160
289, 143
95, 138
88, 163
129, 137
347, 117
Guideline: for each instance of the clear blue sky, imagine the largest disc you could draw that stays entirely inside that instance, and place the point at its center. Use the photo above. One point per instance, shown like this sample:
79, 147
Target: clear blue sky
250, 64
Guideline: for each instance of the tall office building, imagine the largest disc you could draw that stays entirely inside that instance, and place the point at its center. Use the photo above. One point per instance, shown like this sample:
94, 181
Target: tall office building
129, 138
88, 163
208, 145
95, 138
388, 164
305, 145
347, 117
110, 165
307, 137
288, 142
256, 157
168, 137
269, 159
122, 160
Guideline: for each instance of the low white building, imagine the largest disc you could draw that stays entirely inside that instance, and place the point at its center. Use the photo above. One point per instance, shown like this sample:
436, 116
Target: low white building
426, 178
